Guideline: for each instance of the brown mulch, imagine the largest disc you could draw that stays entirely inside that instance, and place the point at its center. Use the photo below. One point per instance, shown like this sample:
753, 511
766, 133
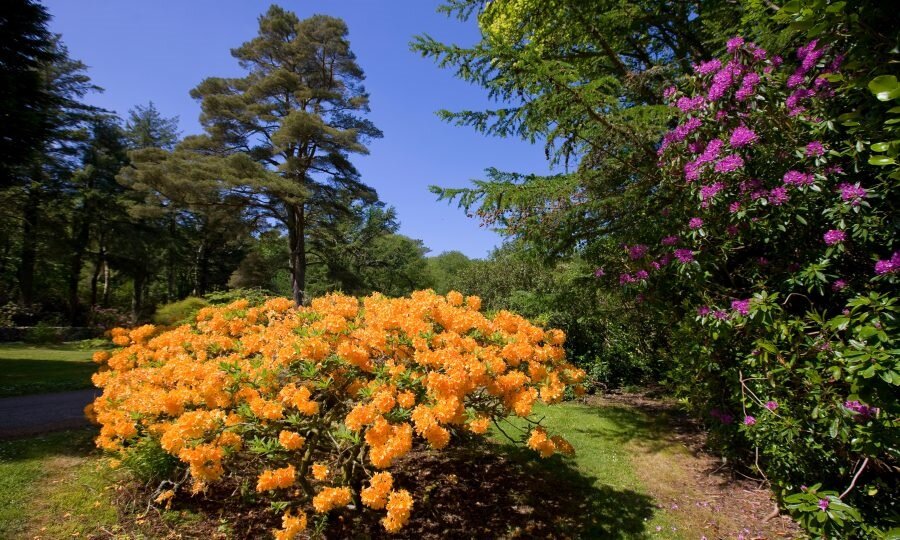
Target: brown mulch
471, 491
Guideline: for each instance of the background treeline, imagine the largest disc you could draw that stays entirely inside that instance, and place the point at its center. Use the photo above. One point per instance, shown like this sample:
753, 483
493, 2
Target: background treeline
92, 231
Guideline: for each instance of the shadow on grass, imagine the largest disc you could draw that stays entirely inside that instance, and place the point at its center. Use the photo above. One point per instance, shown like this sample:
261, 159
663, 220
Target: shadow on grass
20, 377
75, 442
504, 491
655, 429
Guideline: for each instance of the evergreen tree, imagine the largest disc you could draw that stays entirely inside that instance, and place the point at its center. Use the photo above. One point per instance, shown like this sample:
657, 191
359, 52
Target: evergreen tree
25, 47
298, 113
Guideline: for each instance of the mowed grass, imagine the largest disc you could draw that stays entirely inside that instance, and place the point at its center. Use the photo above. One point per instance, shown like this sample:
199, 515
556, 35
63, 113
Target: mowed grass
34, 369
619, 504
54, 486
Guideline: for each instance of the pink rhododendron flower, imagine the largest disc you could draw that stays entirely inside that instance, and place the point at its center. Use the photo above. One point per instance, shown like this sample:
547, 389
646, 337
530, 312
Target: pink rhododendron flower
838, 285
729, 163
834, 236
669, 241
771, 405
695, 223
741, 306
710, 191
797, 178
749, 420
778, 196
638, 251
734, 43
852, 193
814, 149
705, 68
888, 266
684, 255
742, 136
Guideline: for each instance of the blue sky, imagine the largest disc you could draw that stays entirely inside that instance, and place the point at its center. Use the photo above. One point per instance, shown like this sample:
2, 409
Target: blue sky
140, 51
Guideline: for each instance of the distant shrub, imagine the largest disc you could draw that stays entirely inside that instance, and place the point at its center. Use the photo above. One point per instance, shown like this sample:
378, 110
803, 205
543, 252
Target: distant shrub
42, 333
179, 312
254, 297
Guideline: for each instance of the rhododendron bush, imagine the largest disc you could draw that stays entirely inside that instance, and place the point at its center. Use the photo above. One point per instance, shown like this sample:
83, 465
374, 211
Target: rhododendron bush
779, 238
312, 406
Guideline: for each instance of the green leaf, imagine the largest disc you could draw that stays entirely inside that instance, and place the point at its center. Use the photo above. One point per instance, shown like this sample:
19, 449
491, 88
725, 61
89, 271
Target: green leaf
885, 87
881, 160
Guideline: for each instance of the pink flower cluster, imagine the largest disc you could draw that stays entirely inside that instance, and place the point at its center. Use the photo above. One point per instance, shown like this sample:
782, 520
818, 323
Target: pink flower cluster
834, 236
742, 136
861, 410
888, 266
852, 193
684, 255
815, 149
710, 191
741, 306
797, 178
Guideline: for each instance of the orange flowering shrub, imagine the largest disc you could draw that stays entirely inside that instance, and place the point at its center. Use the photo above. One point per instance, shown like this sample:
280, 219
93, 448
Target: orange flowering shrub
317, 401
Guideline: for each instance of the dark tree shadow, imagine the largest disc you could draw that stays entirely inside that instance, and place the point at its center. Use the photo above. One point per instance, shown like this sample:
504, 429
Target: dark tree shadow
74, 442
504, 491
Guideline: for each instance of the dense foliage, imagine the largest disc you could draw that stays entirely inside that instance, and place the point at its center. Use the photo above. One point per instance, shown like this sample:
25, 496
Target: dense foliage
750, 208
312, 406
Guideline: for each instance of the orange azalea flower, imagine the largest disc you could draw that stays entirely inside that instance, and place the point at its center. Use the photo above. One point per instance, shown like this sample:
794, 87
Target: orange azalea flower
320, 471
331, 498
276, 479
291, 440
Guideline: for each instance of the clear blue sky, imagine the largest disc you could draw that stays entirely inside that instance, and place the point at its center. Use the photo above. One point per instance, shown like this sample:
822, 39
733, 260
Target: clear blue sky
140, 50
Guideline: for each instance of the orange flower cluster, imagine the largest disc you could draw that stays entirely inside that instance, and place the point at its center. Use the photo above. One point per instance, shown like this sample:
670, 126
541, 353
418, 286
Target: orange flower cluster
271, 389
276, 479
399, 507
331, 498
291, 526
376, 495
546, 446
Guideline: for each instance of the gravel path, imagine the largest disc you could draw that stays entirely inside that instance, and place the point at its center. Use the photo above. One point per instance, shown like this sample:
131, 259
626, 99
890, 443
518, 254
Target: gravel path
39, 413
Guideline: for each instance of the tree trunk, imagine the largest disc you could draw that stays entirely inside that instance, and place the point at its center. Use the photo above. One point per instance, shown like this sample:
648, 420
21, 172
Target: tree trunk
170, 262
80, 244
99, 263
201, 279
105, 282
137, 296
297, 238
28, 254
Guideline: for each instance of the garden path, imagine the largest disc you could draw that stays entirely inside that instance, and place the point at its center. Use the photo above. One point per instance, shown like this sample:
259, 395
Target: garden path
40, 413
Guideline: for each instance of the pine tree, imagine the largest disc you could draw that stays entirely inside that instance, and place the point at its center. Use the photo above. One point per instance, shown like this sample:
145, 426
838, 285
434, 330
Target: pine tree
298, 112
25, 47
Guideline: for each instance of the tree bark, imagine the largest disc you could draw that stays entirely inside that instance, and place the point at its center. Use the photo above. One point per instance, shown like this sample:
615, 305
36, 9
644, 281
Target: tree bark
170, 262
75, 263
28, 254
137, 296
201, 279
297, 238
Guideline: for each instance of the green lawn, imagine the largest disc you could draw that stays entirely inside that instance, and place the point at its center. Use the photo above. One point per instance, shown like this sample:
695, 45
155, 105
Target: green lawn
614, 502
53, 486
33, 369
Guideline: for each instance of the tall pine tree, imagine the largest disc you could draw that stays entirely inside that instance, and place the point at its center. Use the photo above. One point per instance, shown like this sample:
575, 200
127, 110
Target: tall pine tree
298, 112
